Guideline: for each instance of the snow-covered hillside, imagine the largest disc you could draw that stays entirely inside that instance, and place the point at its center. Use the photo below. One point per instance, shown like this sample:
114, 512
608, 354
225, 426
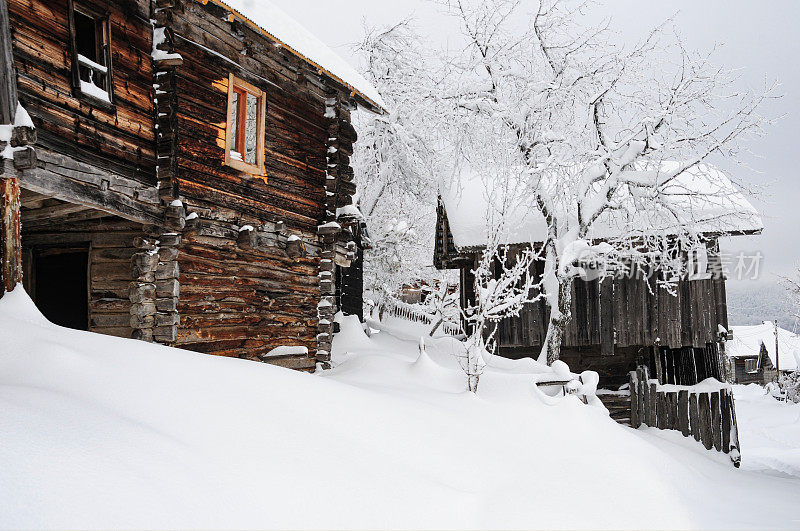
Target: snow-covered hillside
99, 432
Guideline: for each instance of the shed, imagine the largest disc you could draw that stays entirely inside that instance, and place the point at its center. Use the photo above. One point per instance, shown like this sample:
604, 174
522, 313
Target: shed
752, 352
617, 323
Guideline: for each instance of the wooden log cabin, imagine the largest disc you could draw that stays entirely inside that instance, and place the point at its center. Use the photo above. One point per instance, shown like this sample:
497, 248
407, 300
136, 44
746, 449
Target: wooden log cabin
618, 322
189, 181
756, 354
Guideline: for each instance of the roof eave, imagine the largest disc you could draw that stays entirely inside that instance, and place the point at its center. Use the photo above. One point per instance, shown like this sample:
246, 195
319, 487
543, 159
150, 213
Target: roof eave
362, 100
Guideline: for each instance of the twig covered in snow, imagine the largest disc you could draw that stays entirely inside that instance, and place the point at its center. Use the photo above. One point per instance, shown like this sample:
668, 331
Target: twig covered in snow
397, 160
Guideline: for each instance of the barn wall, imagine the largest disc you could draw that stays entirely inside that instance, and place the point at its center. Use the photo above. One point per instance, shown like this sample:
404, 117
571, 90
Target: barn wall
629, 311
744, 377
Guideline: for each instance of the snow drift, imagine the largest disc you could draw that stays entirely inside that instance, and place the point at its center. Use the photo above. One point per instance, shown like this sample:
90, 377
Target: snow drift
101, 432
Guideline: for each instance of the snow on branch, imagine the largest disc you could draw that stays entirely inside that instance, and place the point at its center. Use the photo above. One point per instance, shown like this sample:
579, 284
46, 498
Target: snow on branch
600, 144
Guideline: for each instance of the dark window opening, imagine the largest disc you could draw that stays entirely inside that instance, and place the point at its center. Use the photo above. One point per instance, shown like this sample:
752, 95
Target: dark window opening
61, 280
91, 48
86, 37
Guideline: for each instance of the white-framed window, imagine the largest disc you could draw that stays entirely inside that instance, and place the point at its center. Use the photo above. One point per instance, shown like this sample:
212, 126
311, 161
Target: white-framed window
751, 365
244, 132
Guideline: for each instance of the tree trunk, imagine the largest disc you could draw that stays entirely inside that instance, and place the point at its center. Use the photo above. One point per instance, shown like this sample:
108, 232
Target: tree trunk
472, 382
436, 326
559, 319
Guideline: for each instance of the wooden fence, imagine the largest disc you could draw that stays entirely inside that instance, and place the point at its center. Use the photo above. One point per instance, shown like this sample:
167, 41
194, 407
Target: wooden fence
704, 411
418, 314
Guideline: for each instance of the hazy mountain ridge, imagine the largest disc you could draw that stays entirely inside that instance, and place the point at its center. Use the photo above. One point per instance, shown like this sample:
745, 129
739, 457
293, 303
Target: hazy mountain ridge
752, 303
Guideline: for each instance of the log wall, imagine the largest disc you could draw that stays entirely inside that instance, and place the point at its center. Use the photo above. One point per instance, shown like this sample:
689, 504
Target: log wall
109, 242
118, 139
245, 302
242, 294
155, 156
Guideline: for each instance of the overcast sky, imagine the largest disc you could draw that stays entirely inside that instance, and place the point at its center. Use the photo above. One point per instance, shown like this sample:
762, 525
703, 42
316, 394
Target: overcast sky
760, 37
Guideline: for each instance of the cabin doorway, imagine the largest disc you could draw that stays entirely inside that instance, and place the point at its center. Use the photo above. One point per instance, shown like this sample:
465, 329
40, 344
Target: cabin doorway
60, 285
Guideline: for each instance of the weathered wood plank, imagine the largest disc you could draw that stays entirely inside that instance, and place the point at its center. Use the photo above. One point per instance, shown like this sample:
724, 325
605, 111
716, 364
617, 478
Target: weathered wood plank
704, 410
716, 420
683, 412
634, 387
694, 416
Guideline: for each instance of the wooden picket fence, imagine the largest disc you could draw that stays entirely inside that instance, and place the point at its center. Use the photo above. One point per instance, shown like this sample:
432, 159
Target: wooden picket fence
417, 314
707, 415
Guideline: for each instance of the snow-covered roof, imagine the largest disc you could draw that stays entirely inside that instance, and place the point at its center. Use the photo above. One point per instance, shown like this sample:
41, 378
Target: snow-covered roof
747, 341
706, 198
271, 20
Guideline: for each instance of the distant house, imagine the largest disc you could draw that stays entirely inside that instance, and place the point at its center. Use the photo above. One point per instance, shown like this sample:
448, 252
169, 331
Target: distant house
752, 352
191, 180
617, 323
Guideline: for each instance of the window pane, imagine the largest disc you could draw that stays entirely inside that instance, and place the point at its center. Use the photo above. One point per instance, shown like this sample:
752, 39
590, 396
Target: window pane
234, 118
88, 44
251, 130
86, 36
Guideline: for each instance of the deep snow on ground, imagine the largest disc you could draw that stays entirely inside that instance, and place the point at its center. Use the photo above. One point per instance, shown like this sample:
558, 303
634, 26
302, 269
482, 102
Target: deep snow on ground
769, 431
100, 432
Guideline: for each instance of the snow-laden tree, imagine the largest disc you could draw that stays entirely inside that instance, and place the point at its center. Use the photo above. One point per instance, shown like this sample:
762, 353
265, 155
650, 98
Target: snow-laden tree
503, 284
792, 284
396, 160
594, 134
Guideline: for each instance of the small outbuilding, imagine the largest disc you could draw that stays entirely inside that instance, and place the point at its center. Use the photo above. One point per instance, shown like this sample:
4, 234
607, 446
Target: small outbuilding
752, 355
618, 322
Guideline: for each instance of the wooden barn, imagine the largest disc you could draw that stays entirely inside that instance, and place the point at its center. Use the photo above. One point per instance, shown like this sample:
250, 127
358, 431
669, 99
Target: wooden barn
184, 176
619, 322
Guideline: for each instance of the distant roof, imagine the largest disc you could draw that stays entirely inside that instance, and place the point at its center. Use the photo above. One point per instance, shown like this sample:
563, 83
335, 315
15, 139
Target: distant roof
270, 19
747, 341
703, 195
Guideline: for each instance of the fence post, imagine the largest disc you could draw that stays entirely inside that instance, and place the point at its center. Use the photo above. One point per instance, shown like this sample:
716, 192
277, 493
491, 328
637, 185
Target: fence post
704, 408
716, 420
634, 385
725, 409
652, 405
683, 412
694, 416
672, 402
644, 392
661, 411
734, 448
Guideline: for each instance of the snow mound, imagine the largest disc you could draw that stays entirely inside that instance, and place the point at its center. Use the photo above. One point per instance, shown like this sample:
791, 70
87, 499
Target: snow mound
103, 432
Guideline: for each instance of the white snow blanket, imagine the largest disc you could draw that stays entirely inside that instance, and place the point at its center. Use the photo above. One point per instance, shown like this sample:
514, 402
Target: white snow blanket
769, 430
102, 432
288, 31
706, 199
747, 341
